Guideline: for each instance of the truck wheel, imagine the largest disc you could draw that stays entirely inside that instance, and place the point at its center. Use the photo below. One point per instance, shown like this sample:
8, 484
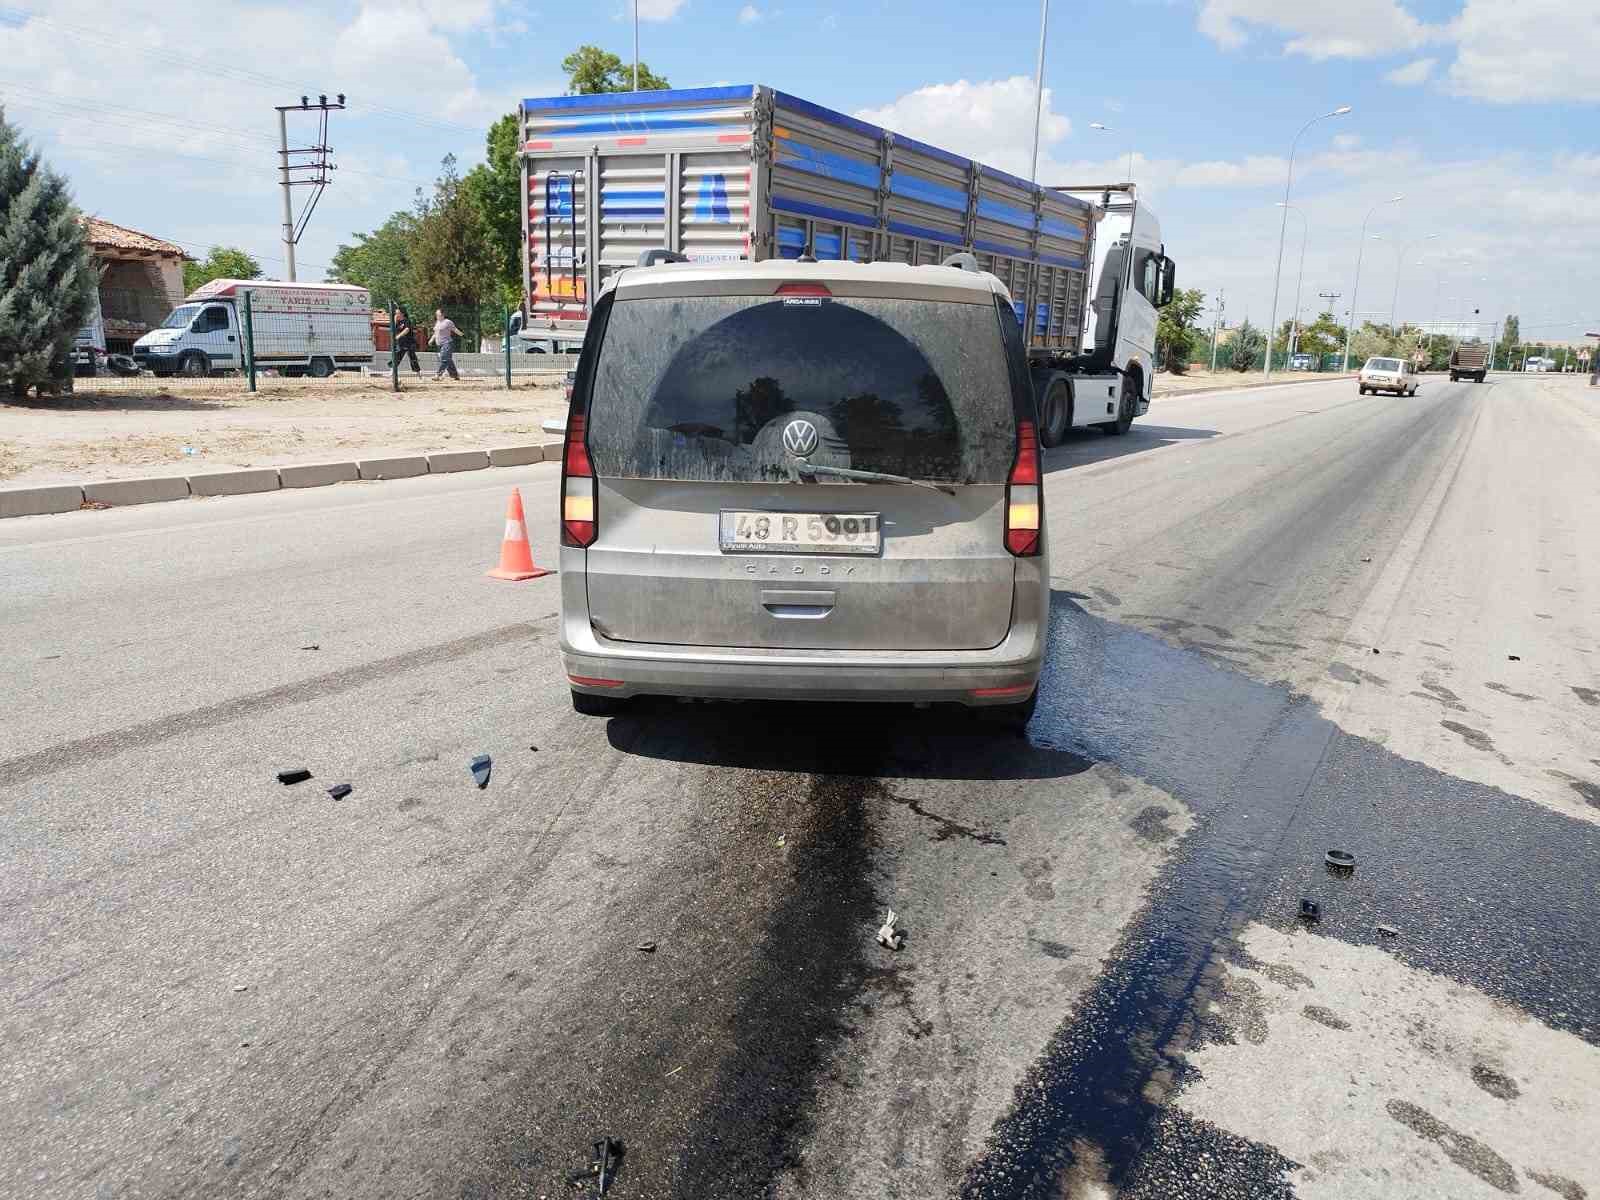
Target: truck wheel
194, 366
1125, 409
1055, 413
321, 368
1454, 378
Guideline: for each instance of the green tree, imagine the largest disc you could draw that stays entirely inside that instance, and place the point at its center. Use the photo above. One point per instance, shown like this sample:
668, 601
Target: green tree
1175, 328
224, 262
1512, 333
1248, 344
380, 261
453, 260
47, 276
495, 188
590, 69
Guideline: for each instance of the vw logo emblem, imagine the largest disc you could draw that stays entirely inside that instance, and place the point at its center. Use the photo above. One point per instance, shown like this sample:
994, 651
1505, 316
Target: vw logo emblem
800, 438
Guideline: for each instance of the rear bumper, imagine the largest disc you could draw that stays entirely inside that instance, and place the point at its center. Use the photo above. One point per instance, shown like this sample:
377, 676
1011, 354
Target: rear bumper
1008, 671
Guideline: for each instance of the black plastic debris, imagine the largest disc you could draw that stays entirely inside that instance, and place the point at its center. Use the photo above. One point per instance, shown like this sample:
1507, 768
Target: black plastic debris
535, 749
313, 646
340, 790
1388, 931
1341, 860
1310, 910
606, 1155
480, 770
1375, 650
647, 947
1366, 558
298, 775
1513, 658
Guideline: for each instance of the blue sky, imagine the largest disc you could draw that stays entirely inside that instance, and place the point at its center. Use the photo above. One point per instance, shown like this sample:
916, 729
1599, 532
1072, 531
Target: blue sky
1483, 112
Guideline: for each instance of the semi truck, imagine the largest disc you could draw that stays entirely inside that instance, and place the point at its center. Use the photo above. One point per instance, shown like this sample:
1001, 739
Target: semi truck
1469, 360
750, 172
297, 328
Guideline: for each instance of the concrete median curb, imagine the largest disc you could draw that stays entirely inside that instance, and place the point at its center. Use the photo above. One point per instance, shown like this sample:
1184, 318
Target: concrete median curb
319, 474
37, 501
137, 491
45, 499
235, 483
402, 466
457, 460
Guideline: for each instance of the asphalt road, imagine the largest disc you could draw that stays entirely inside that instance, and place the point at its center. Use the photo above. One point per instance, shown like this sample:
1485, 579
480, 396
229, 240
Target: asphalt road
1286, 620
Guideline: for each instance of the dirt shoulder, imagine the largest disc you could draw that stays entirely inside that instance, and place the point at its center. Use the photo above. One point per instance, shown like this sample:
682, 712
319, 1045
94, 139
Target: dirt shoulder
110, 433
117, 431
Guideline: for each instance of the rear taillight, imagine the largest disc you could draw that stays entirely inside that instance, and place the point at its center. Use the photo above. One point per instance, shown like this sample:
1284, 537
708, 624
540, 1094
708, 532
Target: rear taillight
1024, 499
579, 525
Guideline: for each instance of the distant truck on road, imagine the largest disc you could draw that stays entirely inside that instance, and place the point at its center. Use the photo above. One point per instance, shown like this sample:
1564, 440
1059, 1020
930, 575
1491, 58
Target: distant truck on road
299, 329
1469, 360
747, 172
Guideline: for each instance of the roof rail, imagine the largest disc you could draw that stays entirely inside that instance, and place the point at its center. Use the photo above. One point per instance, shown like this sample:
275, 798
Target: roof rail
964, 260
649, 258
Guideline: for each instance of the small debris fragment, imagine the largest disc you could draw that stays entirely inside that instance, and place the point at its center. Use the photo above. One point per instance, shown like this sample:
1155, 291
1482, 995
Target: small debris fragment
480, 771
1341, 860
313, 646
674, 1071
1514, 658
94, 505
606, 1155
1310, 910
1366, 558
781, 841
297, 775
239, 987
340, 790
535, 749
244, 1043
888, 936
647, 947
1388, 931
1375, 650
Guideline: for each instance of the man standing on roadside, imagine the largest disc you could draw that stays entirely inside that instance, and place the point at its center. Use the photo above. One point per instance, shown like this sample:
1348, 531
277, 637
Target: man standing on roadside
444, 336
405, 341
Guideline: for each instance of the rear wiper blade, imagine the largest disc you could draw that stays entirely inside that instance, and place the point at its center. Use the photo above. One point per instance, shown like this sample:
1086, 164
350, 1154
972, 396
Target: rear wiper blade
871, 476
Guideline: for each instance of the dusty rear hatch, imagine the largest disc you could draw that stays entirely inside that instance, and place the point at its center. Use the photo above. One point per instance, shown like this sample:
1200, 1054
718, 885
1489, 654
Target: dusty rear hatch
719, 427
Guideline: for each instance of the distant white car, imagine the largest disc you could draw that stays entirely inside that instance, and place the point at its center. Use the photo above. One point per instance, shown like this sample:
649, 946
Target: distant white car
1395, 375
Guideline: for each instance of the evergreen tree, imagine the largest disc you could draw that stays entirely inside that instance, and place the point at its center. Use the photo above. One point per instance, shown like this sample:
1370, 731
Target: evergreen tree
47, 277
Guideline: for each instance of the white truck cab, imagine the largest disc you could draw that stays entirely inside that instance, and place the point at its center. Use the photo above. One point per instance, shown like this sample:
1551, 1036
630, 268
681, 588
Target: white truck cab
296, 328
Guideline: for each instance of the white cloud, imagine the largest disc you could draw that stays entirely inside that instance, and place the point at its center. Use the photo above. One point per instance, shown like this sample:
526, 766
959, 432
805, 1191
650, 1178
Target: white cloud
749, 15
1578, 164
1346, 141
1535, 50
1413, 73
1352, 29
991, 121
659, 10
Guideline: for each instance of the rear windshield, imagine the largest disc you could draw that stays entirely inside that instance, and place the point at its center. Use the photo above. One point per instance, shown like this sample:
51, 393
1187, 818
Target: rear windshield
1383, 364
722, 388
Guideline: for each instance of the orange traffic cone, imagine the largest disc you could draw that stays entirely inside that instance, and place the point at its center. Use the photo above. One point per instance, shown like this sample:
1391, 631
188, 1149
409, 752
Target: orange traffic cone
516, 555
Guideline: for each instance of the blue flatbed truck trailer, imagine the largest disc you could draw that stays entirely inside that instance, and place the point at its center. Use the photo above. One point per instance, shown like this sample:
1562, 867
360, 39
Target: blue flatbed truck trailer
749, 172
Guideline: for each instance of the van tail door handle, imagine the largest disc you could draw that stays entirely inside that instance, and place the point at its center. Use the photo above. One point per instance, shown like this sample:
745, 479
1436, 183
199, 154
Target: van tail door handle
801, 605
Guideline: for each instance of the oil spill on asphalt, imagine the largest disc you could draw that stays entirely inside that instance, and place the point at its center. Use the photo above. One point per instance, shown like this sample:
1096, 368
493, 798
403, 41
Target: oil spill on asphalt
1490, 889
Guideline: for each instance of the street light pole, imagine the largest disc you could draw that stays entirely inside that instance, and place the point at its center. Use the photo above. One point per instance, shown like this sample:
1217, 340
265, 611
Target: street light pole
1283, 232
1355, 292
1399, 265
635, 45
1305, 232
1216, 325
1038, 87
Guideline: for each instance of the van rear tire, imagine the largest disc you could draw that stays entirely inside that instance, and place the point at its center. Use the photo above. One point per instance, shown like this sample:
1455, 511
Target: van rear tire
596, 706
1010, 719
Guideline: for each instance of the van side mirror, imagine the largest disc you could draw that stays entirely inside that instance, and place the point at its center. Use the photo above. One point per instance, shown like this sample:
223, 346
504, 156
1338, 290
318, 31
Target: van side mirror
1169, 274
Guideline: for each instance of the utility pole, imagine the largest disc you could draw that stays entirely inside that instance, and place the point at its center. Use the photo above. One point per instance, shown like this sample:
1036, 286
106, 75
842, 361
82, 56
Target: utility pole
1330, 297
1217, 324
304, 166
636, 45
